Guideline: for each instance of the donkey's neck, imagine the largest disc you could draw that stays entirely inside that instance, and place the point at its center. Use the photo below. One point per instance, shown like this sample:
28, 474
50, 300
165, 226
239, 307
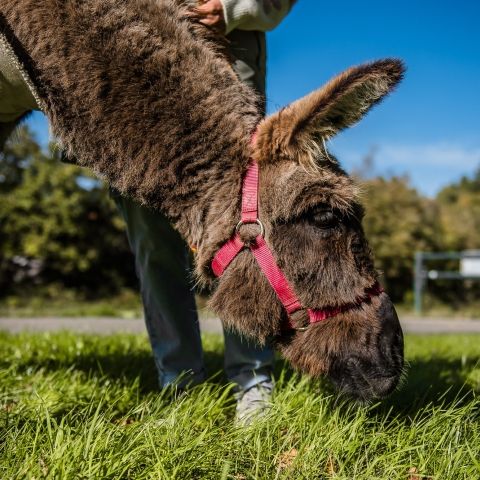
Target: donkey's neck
133, 94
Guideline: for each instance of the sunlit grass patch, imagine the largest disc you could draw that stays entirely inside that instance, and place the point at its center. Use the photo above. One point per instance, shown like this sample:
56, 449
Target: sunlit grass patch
80, 406
56, 301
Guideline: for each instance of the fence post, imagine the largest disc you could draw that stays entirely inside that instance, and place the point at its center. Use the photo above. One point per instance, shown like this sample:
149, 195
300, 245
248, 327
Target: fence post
418, 283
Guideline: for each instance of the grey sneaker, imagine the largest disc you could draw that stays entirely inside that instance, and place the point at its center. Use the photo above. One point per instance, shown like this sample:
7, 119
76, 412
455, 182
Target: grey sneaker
253, 403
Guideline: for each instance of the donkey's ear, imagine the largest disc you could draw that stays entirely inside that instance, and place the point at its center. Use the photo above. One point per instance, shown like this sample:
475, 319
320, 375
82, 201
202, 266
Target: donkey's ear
298, 131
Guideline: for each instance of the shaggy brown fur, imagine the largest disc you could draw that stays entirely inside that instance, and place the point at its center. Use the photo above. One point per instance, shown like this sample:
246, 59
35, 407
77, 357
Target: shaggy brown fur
144, 99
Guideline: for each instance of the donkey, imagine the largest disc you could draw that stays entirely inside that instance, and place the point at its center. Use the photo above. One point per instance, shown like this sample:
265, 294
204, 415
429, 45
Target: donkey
137, 92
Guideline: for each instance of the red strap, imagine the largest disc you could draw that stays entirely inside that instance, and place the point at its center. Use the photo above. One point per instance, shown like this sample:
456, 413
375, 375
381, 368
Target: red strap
232, 247
329, 312
226, 254
320, 315
274, 275
250, 194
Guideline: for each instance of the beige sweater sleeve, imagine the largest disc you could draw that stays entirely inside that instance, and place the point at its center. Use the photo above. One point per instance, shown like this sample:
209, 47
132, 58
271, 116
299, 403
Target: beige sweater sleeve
261, 15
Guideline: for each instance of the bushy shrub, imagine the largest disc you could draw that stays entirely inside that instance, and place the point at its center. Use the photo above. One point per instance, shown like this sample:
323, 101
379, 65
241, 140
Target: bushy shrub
57, 224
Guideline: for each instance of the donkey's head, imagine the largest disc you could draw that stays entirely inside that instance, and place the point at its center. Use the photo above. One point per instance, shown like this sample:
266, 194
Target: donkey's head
313, 226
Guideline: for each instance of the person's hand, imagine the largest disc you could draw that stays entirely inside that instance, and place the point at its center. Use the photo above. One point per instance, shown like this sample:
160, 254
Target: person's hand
210, 13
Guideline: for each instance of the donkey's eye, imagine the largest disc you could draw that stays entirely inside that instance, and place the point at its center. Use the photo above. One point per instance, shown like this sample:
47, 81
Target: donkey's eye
324, 219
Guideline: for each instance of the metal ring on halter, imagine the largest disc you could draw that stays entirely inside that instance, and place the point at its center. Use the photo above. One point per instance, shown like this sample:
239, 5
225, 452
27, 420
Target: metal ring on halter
257, 221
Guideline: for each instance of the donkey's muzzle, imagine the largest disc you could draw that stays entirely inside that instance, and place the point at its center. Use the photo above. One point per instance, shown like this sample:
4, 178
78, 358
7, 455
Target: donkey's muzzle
373, 366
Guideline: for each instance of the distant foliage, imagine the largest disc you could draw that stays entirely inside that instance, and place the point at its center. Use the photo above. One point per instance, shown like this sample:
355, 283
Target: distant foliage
398, 222
460, 213
53, 230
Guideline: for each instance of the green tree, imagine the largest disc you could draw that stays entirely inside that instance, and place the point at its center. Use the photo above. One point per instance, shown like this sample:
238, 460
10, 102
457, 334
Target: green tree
459, 205
57, 224
15, 158
460, 213
398, 222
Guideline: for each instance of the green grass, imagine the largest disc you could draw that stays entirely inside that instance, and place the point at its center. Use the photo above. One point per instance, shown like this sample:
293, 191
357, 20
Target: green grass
435, 308
58, 302
86, 407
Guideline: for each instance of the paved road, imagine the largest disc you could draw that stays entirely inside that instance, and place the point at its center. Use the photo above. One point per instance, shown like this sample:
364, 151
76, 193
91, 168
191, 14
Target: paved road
107, 326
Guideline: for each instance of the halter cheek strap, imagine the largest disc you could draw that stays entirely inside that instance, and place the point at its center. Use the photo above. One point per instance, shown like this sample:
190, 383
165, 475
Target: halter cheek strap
258, 247
266, 261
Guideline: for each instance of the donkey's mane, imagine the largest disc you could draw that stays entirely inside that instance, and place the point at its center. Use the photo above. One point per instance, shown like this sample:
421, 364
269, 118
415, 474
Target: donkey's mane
139, 94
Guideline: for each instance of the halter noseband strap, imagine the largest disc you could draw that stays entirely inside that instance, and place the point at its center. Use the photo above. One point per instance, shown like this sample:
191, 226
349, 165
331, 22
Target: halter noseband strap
266, 260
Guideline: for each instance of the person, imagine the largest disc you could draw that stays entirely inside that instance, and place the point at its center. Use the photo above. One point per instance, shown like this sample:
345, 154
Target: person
162, 258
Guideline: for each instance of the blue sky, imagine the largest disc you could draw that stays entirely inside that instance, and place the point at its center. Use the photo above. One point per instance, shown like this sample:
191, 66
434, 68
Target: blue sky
430, 127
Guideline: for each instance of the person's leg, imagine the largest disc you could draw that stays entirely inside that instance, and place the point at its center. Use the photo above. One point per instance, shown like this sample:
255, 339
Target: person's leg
247, 364
162, 264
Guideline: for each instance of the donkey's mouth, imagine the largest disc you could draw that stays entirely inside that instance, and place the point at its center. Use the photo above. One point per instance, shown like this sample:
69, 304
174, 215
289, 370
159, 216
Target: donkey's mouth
364, 387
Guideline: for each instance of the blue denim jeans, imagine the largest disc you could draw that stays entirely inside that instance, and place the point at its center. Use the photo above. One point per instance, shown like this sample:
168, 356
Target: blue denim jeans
162, 264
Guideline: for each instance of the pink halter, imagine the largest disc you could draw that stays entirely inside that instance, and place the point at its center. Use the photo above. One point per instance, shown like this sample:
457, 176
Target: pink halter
266, 261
